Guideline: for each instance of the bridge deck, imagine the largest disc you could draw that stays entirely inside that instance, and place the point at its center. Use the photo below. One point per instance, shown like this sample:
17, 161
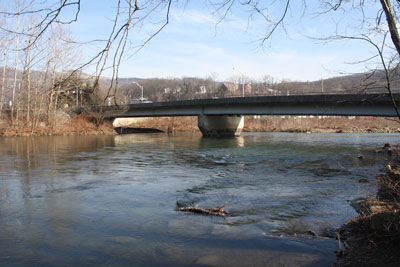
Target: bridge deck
340, 105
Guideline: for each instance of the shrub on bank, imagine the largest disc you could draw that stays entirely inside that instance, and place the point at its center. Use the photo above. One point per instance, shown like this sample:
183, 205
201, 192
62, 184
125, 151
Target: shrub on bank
78, 125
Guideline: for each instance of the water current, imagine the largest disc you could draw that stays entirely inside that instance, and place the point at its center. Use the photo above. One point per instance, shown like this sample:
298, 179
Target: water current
112, 200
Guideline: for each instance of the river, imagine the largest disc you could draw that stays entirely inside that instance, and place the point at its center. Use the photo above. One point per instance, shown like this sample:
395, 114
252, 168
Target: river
112, 200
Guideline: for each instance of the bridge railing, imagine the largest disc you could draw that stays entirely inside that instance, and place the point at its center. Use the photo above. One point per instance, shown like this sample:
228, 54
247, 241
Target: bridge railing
379, 90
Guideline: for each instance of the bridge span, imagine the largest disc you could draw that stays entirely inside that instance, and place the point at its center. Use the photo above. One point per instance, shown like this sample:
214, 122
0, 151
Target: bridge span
224, 116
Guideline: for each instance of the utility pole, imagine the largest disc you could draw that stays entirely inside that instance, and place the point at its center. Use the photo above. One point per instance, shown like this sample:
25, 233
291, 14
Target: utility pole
242, 86
322, 86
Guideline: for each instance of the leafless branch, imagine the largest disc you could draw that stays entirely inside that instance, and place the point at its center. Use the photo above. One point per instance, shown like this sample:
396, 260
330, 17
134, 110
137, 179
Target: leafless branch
51, 16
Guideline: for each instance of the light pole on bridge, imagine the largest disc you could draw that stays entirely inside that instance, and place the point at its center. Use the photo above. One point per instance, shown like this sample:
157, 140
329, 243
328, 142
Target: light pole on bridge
141, 88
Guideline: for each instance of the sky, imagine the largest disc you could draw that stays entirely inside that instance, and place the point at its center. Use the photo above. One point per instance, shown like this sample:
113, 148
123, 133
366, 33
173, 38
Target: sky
196, 44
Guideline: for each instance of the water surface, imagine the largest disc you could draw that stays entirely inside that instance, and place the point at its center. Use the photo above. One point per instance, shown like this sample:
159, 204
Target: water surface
111, 200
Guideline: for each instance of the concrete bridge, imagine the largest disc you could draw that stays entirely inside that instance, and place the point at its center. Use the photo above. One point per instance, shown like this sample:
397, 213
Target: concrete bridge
224, 116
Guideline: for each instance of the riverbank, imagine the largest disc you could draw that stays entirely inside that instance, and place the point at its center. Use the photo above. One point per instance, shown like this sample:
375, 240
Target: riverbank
86, 125
321, 124
300, 124
373, 238
77, 125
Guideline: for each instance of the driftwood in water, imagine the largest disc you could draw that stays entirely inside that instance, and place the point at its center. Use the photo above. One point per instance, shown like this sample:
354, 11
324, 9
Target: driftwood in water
213, 211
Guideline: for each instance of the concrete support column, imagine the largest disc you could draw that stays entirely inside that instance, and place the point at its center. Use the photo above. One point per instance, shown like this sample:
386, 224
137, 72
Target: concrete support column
220, 126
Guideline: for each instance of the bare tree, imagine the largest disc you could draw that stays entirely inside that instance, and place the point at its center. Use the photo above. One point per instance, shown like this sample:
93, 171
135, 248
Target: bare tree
130, 15
110, 56
16, 65
373, 31
5, 41
391, 20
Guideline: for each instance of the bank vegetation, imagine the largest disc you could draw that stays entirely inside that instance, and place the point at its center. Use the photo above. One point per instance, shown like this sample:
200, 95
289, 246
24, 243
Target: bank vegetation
373, 238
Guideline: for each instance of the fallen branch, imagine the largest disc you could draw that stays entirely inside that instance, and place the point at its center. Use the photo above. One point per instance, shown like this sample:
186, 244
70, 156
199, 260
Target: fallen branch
339, 239
213, 211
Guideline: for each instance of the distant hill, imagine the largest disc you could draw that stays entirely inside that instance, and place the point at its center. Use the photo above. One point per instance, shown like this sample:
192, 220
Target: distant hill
356, 83
157, 89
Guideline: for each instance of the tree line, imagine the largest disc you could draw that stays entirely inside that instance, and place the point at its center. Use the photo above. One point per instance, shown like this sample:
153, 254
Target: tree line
159, 89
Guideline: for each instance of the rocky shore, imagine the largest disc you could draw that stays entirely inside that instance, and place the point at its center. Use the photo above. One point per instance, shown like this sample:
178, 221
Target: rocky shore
373, 238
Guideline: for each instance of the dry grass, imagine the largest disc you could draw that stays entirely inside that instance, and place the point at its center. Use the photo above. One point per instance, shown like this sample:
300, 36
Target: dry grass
322, 124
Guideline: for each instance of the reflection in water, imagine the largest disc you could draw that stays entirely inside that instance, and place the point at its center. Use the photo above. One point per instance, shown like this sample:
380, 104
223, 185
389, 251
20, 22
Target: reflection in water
111, 199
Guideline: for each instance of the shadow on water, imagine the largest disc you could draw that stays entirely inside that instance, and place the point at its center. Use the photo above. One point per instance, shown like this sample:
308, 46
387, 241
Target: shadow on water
110, 200
122, 130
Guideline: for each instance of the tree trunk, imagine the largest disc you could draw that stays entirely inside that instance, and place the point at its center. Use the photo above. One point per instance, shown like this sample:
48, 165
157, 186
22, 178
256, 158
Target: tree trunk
15, 69
29, 83
19, 103
391, 20
3, 83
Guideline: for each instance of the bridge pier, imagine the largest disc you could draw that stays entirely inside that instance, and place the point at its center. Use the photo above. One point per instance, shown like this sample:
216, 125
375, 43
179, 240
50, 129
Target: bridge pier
220, 126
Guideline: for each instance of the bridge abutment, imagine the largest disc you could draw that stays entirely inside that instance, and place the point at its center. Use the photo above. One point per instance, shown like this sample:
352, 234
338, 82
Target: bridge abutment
220, 126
